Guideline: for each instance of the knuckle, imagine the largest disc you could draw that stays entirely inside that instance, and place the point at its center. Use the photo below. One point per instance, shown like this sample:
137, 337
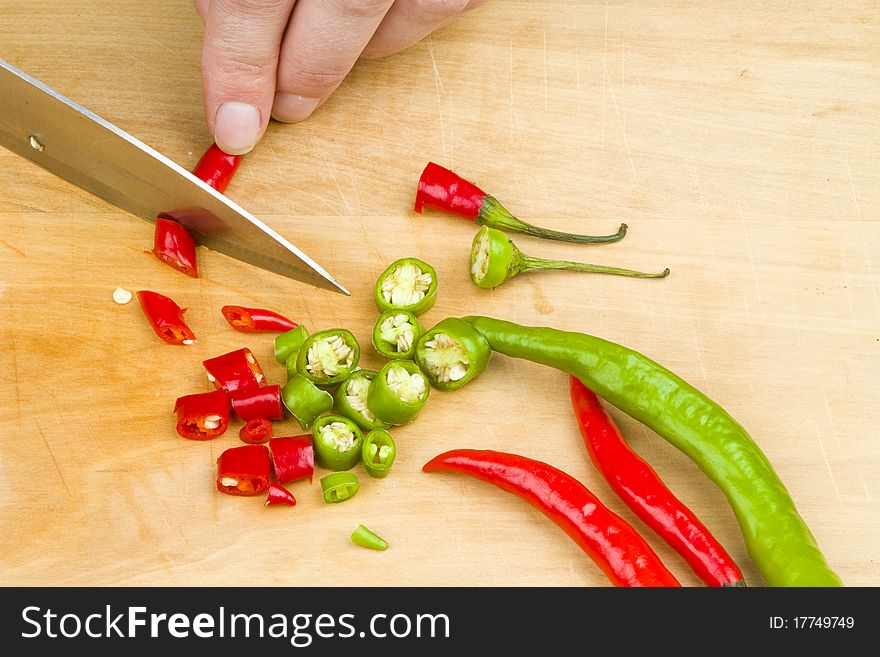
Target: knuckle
298, 76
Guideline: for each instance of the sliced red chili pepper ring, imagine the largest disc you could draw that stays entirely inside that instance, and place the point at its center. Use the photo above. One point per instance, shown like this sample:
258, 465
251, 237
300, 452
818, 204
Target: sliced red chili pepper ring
256, 431
217, 168
244, 470
442, 189
256, 320
264, 401
279, 496
294, 458
166, 318
235, 372
173, 245
202, 416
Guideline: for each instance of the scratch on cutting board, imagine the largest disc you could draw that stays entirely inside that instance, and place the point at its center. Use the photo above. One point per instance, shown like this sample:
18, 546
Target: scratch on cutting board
438, 85
335, 182
604, 70
54, 460
745, 229
836, 434
546, 102
13, 249
868, 262
827, 465
514, 123
620, 119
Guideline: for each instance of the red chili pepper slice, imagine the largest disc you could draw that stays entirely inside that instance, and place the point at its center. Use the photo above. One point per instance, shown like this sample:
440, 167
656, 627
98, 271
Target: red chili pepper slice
244, 470
217, 168
259, 402
442, 189
294, 458
641, 488
256, 320
202, 416
256, 431
236, 372
174, 246
606, 538
279, 495
166, 318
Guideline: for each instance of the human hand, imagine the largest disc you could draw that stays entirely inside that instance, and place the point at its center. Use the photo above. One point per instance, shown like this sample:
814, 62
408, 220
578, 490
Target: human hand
285, 57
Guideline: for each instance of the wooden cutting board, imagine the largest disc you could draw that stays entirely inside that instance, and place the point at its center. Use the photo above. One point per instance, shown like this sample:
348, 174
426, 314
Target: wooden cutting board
739, 144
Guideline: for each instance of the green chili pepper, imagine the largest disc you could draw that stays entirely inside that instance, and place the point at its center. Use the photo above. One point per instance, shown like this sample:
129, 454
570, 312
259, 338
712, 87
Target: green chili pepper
398, 392
407, 284
396, 333
778, 539
350, 400
495, 259
338, 442
304, 400
339, 486
452, 353
378, 453
288, 343
366, 538
328, 357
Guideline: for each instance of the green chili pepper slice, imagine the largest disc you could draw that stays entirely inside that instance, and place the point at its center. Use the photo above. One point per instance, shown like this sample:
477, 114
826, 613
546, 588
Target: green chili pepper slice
378, 453
398, 392
328, 357
368, 539
407, 284
339, 486
452, 353
304, 400
338, 442
350, 400
288, 343
495, 259
395, 334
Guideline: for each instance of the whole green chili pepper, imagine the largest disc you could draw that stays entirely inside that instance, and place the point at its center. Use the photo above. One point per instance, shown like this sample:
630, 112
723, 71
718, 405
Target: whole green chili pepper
378, 453
495, 259
338, 442
328, 357
778, 539
368, 539
288, 343
350, 400
395, 334
304, 400
339, 486
452, 353
398, 392
407, 284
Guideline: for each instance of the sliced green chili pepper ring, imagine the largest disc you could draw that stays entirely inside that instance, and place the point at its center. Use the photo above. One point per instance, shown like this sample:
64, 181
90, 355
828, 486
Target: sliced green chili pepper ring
407, 284
338, 442
452, 353
288, 343
378, 453
304, 400
328, 357
368, 539
396, 333
350, 400
339, 486
398, 392
490, 259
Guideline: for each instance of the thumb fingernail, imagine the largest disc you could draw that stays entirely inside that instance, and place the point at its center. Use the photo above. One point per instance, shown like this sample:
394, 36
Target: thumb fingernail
237, 127
291, 108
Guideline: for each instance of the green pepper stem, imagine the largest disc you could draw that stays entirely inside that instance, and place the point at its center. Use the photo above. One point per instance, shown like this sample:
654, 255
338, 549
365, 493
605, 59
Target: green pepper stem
527, 263
495, 215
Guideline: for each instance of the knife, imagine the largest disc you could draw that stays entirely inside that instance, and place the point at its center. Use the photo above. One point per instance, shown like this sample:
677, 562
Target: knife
75, 144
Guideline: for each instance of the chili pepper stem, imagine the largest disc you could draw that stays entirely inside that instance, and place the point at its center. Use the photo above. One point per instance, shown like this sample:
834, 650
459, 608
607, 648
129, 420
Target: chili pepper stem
495, 215
526, 263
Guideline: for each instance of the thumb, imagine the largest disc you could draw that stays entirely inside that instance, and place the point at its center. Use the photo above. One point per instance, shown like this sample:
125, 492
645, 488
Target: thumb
239, 63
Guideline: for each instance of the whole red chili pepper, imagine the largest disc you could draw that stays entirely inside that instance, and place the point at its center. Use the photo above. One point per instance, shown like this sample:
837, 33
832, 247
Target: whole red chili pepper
641, 488
255, 431
203, 415
217, 168
294, 458
173, 245
255, 320
236, 372
259, 402
605, 537
444, 190
166, 318
279, 495
244, 470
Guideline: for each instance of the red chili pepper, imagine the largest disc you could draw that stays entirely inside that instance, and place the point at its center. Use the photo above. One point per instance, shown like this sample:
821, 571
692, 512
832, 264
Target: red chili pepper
279, 495
166, 318
606, 538
254, 320
235, 372
174, 246
294, 458
244, 470
202, 416
641, 488
259, 402
256, 431
217, 168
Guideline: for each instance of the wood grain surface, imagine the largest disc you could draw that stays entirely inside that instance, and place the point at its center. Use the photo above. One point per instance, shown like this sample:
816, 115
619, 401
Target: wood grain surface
738, 140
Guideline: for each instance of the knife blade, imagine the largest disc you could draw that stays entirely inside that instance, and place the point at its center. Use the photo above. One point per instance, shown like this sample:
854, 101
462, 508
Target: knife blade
75, 144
